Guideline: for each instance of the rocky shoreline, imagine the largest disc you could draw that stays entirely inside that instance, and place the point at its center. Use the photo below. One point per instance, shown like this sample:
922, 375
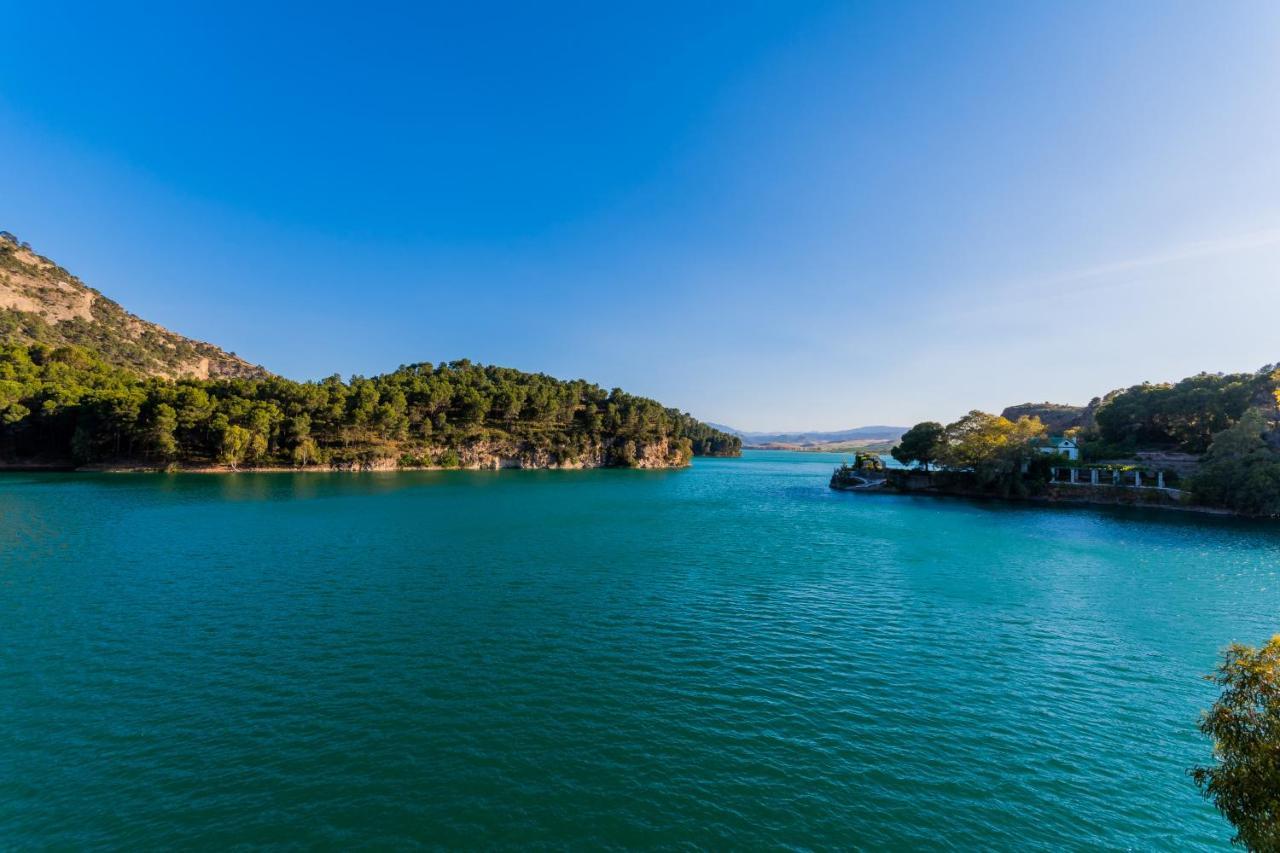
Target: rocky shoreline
479, 457
1054, 494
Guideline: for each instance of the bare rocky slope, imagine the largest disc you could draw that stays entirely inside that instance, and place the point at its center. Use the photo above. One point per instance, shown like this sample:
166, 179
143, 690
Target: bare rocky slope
40, 302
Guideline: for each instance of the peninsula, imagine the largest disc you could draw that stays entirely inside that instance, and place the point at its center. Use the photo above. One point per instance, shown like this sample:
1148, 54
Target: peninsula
85, 384
1210, 441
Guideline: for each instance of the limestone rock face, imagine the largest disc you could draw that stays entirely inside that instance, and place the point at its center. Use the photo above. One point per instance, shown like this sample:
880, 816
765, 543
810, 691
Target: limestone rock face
40, 302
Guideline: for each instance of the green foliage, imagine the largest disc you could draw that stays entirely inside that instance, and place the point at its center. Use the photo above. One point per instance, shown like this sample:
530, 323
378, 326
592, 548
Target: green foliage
1184, 415
920, 445
1097, 449
113, 334
625, 456
993, 453
1244, 723
868, 462
992, 447
235, 444
1241, 471
1232, 419
164, 421
66, 404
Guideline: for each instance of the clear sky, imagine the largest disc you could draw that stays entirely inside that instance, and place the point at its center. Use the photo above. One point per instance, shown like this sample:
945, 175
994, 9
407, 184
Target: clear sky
777, 216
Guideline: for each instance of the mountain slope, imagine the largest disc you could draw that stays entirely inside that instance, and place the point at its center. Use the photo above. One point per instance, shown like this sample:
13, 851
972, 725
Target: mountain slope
83, 382
40, 302
866, 435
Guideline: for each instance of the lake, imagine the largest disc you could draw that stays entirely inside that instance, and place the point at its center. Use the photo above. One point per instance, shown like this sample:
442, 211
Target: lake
730, 656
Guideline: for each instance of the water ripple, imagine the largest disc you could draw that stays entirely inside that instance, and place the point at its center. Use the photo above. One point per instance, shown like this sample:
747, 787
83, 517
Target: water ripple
731, 656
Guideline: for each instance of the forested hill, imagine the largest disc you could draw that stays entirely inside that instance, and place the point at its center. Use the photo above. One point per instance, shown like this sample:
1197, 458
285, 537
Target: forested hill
84, 383
65, 406
40, 302
1217, 433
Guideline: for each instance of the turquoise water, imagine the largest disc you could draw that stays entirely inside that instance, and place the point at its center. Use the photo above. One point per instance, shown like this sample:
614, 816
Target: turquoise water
730, 656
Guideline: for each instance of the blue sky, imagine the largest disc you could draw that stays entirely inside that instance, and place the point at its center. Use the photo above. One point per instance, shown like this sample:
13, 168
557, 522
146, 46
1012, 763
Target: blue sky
774, 215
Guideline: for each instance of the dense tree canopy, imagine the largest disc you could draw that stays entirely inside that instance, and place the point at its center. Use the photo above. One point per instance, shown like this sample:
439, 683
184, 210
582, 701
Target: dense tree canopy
1241, 471
64, 403
1244, 723
920, 445
979, 451
992, 448
1232, 421
1184, 415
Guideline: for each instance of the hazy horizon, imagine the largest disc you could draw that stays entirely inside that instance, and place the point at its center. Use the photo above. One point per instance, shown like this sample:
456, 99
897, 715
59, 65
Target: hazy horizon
784, 219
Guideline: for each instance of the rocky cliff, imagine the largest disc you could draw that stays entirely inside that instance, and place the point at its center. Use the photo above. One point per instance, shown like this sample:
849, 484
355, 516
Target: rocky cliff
40, 302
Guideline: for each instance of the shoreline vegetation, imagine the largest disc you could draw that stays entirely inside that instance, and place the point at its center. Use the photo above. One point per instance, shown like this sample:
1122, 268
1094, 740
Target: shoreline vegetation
845, 479
142, 468
65, 408
1209, 443
84, 385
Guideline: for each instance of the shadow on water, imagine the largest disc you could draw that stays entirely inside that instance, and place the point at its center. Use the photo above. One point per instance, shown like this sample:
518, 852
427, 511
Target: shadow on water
1170, 517
311, 485
728, 656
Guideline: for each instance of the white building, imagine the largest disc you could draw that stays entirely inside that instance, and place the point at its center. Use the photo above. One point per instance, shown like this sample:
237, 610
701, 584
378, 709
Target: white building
1059, 444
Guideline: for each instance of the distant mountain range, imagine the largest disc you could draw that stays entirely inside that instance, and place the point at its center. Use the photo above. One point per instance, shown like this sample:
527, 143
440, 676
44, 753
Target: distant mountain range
847, 438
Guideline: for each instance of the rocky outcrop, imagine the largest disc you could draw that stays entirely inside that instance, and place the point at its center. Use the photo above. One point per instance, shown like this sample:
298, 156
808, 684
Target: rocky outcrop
480, 456
1056, 417
491, 456
40, 302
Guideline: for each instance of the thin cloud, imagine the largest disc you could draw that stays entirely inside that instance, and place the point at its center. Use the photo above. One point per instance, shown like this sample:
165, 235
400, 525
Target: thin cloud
1188, 252
1087, 279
